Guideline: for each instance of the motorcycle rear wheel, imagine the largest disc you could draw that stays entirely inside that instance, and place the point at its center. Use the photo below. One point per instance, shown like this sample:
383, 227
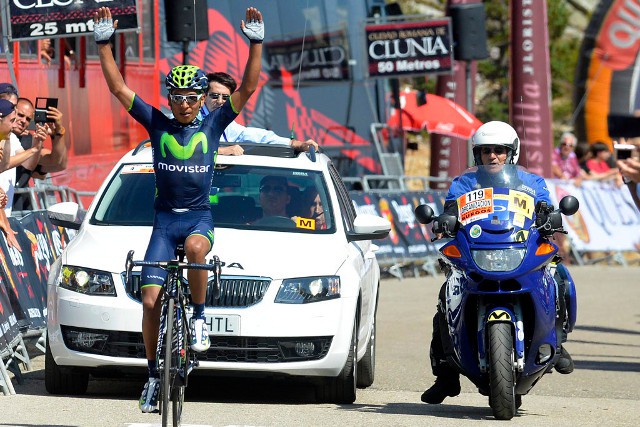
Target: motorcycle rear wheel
502, 372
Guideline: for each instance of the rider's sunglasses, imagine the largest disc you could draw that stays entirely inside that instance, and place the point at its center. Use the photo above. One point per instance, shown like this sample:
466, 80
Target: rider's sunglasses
278, 189
179, 99
497, 149
218, 95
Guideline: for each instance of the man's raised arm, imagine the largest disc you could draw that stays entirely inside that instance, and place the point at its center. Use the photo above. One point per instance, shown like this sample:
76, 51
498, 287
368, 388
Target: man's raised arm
254, 30
103, 31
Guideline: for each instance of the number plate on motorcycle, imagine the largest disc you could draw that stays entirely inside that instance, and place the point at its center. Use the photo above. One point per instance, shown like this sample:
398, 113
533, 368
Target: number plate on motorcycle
475, 205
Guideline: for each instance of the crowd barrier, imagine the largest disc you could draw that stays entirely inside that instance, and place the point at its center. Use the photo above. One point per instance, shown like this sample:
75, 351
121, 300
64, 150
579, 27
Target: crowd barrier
607, 221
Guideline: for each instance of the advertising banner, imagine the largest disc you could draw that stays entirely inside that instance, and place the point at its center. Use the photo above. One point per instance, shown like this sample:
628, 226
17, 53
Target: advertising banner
325, 58
397, 49
38, 19
8, 322
607, 220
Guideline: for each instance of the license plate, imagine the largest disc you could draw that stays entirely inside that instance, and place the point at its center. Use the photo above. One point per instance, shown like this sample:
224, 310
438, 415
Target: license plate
223, 324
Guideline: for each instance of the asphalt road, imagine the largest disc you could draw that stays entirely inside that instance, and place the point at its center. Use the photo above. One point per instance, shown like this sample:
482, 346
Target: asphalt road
603, 390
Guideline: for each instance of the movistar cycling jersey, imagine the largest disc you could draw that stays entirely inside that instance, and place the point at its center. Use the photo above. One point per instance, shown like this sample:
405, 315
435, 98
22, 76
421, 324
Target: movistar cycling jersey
183, 155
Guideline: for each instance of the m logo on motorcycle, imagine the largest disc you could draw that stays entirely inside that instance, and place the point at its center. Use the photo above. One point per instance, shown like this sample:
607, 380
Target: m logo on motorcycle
499, 315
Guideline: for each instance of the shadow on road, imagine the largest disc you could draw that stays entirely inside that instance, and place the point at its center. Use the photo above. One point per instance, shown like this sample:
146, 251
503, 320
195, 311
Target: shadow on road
607, 365
606, 330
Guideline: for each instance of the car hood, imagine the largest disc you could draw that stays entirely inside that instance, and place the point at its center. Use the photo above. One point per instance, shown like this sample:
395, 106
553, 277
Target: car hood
244, 252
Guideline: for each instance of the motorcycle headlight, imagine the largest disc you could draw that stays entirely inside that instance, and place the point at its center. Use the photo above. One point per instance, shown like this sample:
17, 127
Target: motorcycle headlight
498, 259
87, 281
304, 290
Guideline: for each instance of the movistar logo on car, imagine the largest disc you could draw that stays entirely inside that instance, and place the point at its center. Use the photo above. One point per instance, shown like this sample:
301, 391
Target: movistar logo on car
179, 151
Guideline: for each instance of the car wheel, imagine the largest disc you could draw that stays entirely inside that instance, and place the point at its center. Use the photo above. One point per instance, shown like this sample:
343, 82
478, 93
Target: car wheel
367, 365
342, 389
57, 381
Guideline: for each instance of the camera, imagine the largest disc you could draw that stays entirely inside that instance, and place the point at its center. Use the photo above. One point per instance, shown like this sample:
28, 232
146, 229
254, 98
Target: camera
42, 106
623, 151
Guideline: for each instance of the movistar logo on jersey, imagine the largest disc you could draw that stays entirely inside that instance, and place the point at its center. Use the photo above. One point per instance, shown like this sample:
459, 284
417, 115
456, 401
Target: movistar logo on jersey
183, 168
183, 152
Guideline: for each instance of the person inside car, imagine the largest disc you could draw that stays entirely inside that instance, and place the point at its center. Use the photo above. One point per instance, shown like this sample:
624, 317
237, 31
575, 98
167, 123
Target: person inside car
184, 152
494, 145
274, 196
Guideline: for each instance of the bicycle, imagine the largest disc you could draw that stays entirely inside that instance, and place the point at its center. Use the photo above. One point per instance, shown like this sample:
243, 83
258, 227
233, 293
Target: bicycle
175, 358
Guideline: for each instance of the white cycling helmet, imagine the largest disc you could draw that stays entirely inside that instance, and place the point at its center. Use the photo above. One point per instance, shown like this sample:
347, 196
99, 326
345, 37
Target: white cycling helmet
496, 133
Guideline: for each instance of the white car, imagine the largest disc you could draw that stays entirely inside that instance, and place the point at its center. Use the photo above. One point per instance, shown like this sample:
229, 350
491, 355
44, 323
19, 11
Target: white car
295, 300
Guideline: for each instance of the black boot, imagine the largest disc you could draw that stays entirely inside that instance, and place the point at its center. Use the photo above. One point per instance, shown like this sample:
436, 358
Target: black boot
445, 386
564, 365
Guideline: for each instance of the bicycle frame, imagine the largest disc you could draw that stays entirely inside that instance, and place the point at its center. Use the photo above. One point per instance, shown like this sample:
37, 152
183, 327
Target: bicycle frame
174, 358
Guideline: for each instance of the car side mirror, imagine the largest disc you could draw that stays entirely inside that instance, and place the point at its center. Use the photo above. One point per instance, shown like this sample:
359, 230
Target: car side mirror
369, 227
569, 205
65, 214
424, 214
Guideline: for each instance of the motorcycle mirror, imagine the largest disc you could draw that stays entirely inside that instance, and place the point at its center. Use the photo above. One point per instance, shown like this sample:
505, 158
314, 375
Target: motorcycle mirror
569, 205
424, 214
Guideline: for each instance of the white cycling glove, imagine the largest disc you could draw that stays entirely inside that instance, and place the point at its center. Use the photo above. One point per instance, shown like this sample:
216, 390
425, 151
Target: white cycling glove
254, 30
103, 31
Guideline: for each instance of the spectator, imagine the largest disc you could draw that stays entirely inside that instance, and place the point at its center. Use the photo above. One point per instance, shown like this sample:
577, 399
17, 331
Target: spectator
564, 160
46, 160
599, 165
7, 117
583, 153
630, 170
221, 86
9, 93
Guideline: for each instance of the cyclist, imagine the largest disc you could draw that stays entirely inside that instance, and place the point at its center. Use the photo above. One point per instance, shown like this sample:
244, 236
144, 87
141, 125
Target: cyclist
185, 149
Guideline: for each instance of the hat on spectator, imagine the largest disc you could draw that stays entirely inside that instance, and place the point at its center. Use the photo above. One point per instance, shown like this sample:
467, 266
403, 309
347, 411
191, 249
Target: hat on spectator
8, 88
6, 108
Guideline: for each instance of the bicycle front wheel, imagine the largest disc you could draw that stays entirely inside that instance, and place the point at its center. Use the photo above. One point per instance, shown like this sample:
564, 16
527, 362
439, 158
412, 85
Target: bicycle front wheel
167, 375
181, 363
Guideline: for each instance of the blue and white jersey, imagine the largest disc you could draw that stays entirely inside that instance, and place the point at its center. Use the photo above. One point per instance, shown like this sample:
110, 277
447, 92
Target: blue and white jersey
183, 155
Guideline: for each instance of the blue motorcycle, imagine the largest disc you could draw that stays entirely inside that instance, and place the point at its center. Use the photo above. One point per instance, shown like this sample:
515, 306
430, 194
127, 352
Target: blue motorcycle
506, 306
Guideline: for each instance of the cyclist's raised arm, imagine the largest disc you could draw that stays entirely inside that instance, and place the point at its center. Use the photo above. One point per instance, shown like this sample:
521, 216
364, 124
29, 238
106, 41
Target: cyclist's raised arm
254, 30
103, 31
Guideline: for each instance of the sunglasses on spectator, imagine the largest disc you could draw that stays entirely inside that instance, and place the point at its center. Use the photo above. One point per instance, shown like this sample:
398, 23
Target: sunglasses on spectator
190, 99
278, 189
497, 149
218, 95
567, 144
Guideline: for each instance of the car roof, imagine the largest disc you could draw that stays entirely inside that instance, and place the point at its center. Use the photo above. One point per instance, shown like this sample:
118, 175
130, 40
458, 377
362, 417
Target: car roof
275, 155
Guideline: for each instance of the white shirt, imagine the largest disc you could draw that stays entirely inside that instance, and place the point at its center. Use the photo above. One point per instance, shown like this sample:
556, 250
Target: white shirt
8, 177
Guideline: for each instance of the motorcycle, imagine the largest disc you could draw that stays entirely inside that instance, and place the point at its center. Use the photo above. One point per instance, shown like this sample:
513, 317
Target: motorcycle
506, 307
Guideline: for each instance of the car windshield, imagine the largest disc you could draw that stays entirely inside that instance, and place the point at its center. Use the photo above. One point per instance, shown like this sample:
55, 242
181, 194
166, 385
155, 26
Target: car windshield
244, 197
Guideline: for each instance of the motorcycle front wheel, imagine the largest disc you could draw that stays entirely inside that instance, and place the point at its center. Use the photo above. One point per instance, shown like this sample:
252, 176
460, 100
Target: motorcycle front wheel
502, 375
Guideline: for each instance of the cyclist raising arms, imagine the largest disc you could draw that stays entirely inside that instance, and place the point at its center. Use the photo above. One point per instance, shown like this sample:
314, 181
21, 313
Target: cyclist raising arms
184, 154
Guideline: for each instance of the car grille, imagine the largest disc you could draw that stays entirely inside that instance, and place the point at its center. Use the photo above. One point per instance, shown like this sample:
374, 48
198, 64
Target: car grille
235, 291
223, 349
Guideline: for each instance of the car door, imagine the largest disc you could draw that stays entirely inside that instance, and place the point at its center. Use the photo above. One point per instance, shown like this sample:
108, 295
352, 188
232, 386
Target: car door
361, 258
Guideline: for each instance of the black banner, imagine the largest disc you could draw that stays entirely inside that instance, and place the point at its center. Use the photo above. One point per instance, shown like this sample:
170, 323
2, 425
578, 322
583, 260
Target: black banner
38, 19
409, 48
325, 58
8, 322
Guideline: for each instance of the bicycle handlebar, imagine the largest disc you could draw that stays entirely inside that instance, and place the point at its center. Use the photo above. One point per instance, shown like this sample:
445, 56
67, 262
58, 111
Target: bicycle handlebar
167, 264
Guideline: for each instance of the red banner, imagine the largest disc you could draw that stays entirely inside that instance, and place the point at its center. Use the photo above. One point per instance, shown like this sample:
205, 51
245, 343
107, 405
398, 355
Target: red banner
530, 106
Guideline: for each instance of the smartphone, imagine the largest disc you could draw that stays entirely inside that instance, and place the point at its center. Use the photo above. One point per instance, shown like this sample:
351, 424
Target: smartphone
623, 151
42, 105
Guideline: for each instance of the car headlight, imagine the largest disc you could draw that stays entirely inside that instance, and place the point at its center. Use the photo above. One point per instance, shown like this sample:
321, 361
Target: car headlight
304, 290
498, 259
87, 281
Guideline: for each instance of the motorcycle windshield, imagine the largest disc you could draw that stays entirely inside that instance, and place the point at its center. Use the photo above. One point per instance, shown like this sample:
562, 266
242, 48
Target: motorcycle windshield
495, 209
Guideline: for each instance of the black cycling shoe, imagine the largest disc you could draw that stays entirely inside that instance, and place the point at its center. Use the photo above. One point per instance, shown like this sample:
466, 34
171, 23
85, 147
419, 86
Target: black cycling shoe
564, 365
445, 386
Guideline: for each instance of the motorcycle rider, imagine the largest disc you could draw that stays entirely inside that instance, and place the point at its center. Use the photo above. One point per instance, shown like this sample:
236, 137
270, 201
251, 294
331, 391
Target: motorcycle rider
494, 145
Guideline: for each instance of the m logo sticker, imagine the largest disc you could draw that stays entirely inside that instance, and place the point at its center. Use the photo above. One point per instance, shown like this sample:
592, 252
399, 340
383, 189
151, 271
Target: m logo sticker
306, 223
499, 315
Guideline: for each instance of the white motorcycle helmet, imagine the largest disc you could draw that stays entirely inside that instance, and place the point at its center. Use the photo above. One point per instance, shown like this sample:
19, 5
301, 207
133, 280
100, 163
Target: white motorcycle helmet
496, 133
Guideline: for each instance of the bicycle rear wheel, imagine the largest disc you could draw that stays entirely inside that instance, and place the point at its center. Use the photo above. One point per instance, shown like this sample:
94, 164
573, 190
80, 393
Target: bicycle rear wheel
166, 373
